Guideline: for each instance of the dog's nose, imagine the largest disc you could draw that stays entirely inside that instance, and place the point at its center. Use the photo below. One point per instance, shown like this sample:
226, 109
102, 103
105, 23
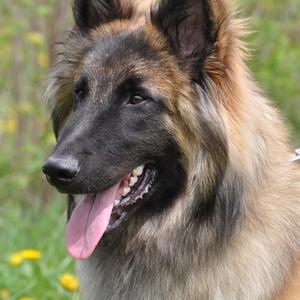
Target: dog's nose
61, 170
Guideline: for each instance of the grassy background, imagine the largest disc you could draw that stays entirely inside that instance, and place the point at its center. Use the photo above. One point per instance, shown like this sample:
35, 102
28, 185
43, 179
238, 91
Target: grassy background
42, 229
276, 56
32, 215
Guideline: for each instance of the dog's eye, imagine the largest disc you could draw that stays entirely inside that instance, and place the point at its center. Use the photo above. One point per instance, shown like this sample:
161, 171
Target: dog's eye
78, 94
80, 91
78, 97
136, 99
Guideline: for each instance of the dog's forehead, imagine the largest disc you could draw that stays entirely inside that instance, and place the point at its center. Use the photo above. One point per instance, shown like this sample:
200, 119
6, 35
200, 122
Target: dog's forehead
113, 57
120, 54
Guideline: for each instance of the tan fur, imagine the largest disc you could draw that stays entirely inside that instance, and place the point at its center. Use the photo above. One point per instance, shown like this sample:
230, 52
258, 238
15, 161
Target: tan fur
292, 288
260, 260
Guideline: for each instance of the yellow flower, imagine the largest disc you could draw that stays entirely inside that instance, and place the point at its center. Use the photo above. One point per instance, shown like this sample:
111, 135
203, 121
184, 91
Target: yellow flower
11, 125
25, 107
15, 259
69, 282
4, 294
25, 298
30, 254
43, 60
36, 38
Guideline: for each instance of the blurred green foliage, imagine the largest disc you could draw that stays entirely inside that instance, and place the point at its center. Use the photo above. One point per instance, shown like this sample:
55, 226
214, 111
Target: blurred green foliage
275, 42
28, 29
34, 229
27, 32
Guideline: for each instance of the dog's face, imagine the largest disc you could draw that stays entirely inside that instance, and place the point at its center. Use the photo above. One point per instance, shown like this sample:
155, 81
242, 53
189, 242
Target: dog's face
119, 123
123, 123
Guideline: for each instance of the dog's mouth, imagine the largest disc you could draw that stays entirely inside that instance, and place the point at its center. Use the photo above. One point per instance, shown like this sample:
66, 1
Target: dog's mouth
96, 214
135, 187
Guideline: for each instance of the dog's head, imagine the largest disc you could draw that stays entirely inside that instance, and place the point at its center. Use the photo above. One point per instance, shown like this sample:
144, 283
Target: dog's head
132, 112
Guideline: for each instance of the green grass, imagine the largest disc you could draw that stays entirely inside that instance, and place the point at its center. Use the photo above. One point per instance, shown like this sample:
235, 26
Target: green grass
38, 228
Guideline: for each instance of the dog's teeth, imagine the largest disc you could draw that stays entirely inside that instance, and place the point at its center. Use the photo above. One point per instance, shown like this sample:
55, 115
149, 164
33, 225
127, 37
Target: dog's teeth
138, 171
133, 181
126, 191
117, 202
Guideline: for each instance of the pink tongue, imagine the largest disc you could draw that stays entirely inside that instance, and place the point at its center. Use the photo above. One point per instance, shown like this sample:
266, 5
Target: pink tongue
88, 223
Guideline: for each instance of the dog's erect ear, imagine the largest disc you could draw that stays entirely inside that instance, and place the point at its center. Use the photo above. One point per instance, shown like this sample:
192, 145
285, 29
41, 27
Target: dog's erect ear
188, 26
89, 14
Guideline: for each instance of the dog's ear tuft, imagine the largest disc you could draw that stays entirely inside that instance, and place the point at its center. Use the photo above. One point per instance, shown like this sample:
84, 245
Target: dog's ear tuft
89, 14
189, 27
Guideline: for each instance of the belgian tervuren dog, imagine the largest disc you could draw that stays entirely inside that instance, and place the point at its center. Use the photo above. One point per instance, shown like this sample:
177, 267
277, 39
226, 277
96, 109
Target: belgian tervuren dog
177, 167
